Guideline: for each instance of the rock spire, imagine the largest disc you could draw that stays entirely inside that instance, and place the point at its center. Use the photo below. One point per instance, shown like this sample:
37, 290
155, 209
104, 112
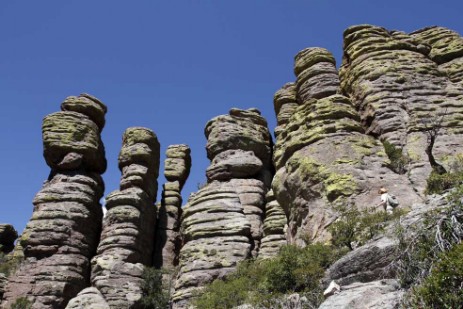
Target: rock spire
127, 239
62, 235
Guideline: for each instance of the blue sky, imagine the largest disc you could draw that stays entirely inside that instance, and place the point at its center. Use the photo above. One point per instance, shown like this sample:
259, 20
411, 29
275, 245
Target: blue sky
167, 65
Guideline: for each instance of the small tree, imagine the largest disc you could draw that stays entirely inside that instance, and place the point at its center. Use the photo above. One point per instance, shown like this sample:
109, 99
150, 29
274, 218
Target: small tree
432, 127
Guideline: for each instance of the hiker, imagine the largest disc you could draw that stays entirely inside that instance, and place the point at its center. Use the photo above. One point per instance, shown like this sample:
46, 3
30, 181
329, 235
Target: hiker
388, 201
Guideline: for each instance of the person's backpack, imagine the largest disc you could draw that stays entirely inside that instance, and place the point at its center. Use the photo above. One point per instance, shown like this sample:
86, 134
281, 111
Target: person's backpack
392, 200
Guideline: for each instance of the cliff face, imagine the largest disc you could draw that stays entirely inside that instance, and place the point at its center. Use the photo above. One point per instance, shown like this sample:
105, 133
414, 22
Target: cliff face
62, 235
334, 132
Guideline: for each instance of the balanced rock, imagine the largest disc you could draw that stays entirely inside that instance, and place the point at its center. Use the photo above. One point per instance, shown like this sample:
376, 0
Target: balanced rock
63, 233
127, 239
8, 236
177, 168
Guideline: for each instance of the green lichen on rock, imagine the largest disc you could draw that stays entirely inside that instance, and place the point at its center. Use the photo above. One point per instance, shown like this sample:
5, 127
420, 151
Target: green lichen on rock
334, 184
315, 120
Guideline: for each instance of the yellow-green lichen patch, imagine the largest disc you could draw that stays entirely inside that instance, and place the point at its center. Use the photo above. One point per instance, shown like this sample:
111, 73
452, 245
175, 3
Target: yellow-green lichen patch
334, 184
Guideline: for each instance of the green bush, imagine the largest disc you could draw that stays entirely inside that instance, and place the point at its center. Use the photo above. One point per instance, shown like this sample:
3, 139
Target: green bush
398, 160
443, 287
21, 303
263, 282
438, 183
8, 264
356, 226
430, 257
156, 293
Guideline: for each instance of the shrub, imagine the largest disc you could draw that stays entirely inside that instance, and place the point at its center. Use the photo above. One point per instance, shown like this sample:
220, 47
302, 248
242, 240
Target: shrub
357, 227
156, 293
21, 303
263, 282
398, 160
8, 264
430, 261
438, 183
443, 287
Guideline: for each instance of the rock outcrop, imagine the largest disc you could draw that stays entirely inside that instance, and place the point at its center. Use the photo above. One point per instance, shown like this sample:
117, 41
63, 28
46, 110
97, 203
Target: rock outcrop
62, 235
222, 224
127, 238
324, 157
8, 236
397, 84
176, 170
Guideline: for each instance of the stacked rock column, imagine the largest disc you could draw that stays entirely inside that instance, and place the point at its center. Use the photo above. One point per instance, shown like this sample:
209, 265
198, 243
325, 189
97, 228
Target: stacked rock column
127, 239
222, 222
177, 168
63, 233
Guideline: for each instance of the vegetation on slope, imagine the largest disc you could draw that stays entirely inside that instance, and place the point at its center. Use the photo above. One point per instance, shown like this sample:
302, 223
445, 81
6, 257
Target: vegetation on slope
264, 282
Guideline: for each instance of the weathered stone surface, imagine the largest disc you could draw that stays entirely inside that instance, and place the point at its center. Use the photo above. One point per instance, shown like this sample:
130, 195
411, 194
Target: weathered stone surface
168, 241
316, 73
88, 298
234, 164
71, 139
88, 105
285, 103
372, 295
323, 157
395, 82
63, 232
3, 281
241, 129
217, 236
275, 225
177, 163
8, 236
127, 239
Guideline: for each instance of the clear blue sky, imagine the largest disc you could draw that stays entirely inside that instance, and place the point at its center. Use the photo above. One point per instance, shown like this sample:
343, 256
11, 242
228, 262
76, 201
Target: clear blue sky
167, 65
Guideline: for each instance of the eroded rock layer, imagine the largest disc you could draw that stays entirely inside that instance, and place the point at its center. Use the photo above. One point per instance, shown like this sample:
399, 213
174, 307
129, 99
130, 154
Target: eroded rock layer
398, 85
177, 168
127, 238
275, 225
222, 224
62, 235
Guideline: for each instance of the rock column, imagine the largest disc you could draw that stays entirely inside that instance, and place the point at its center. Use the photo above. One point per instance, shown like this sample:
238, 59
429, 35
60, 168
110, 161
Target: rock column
177, 168
127, 239
63, 233
222, 222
